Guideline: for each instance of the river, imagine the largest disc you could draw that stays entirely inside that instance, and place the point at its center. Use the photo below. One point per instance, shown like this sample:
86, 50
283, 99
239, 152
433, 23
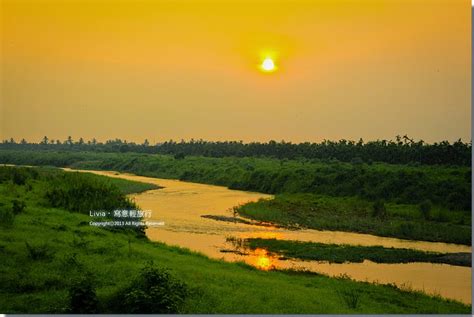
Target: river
180, 206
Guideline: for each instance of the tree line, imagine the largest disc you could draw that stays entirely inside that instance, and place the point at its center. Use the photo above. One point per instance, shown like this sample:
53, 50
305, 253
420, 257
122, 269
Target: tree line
402, 150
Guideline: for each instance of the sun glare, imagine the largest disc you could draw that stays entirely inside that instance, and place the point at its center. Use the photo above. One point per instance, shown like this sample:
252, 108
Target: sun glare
268, 65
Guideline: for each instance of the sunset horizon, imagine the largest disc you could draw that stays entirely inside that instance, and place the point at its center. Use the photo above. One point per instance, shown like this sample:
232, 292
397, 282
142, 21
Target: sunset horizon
174, 70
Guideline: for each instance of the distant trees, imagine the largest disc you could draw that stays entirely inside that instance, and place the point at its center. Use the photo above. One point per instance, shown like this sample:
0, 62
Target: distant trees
404, 150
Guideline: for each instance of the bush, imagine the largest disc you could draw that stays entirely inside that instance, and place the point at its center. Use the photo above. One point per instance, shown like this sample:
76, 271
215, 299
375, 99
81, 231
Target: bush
82, 193
378, 209
39, 252
154, 291
82, 297
6, 216
18, 206
406, 229
425, 209
19, 177
179, 156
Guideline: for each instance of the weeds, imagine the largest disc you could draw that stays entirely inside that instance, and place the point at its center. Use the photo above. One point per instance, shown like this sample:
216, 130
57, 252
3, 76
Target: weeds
350, 297
18, 206
38, 252
7, 217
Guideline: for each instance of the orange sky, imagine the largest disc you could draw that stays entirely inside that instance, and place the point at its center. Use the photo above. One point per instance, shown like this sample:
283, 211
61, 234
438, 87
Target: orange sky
189, 69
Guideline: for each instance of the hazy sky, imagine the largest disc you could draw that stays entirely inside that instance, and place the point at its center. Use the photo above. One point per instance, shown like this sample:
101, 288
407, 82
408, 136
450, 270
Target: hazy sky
189, 69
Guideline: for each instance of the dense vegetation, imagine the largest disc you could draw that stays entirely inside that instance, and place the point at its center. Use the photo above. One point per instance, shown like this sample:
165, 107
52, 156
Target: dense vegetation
401, 151
51, 261
336, 253
448, 187
358, 215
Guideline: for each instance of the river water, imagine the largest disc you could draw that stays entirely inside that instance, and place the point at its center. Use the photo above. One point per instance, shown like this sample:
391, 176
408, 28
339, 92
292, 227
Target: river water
180, 206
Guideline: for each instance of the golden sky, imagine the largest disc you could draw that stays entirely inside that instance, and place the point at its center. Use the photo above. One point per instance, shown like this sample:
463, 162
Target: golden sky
136, 69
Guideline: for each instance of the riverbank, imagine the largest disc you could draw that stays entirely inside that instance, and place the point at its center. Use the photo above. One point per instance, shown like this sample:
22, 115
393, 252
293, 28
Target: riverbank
350, 190
40, 281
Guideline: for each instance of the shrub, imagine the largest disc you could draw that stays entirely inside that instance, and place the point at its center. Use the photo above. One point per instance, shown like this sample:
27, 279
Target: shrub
179, 156
18, 206
378, 209
39, 252
406, 229
425, 209
357, 160
442, 216
19, 176
82, 193
155, 291
6, 216
82, 297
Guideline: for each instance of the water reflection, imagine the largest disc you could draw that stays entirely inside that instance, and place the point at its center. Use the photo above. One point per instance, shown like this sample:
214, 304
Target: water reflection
181, 204
260, 259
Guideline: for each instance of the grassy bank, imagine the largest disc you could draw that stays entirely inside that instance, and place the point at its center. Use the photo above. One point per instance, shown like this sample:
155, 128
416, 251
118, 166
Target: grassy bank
45, 251
348, 253
358, 215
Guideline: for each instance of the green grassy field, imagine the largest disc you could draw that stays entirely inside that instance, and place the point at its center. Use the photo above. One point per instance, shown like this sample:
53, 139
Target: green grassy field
358, 215
45, 250
335, 253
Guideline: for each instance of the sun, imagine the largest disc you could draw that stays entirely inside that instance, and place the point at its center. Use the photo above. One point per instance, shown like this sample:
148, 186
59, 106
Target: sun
268, 65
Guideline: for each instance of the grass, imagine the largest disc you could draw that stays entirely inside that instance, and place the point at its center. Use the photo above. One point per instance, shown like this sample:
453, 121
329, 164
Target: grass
37, 281
127, 187
348, 253
354, 214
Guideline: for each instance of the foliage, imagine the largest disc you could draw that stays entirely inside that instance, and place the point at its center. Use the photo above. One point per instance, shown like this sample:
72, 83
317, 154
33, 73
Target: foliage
82, 297
425, 209
155, 290
356, 215
18, 206
350, 297
7, 217
449, 187
38, 252
402, 150
82, 193
378, 209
